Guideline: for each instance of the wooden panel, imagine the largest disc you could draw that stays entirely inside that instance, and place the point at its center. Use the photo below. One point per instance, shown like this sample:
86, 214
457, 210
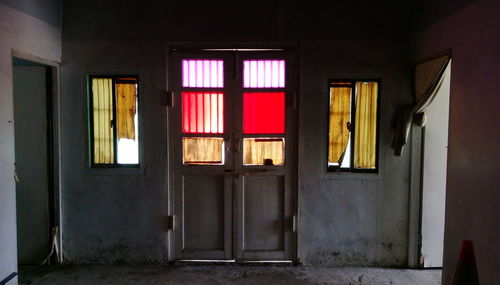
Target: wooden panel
203, 200
263, 213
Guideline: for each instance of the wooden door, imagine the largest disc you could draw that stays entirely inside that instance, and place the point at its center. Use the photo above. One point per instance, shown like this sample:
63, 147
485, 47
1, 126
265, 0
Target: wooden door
232, 155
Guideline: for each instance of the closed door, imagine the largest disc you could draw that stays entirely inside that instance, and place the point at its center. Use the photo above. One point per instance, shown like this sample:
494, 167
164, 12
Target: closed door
32, 163
232, 155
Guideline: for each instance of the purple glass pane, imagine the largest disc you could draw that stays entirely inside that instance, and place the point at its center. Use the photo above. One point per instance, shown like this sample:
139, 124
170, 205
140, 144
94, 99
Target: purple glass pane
202, 73
263, 73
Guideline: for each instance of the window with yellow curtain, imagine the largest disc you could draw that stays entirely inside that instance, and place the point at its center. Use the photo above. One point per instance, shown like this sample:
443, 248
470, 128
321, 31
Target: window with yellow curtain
113, 121
353, 123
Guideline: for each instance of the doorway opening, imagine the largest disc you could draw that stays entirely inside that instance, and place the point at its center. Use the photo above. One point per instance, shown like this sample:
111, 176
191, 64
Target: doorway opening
36, 168
232, 155
434, 165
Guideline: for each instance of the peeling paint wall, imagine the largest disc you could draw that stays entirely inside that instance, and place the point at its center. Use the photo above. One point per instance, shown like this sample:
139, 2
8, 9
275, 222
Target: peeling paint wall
344, 219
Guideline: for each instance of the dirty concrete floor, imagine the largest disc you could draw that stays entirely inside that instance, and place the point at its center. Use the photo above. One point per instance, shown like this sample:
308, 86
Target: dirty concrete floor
269, 275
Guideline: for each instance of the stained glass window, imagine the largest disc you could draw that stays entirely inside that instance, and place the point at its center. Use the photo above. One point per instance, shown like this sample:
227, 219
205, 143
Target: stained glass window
202, 112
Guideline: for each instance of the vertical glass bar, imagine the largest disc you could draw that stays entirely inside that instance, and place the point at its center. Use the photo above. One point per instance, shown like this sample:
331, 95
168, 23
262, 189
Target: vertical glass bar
207, 115
220, 74
192, 112
213, 113
268, 75
253, 74
282, 74
260, 73
185, 73
246, 74
192, 73
199, 73
220, 119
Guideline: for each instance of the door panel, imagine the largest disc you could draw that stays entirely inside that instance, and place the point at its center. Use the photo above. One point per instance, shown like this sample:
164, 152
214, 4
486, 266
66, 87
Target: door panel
204, 215
263, 213
32, 192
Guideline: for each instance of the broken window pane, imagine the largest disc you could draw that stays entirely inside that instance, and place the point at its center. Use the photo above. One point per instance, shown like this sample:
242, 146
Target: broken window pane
203, 151
263, 151
126, 117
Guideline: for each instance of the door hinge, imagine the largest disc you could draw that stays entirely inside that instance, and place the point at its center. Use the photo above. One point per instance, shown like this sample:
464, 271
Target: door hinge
171, 222
169, 97
294, 223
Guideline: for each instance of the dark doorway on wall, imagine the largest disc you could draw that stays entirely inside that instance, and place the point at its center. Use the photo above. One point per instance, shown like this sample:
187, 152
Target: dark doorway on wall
35, 174
434, 165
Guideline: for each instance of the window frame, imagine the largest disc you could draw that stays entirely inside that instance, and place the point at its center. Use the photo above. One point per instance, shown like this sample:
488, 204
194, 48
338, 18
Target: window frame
90, 123
352, 133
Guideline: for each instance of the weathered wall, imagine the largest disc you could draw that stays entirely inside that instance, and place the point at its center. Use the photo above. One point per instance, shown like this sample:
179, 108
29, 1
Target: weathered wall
28, 35
48, 11
358, 219
472, 195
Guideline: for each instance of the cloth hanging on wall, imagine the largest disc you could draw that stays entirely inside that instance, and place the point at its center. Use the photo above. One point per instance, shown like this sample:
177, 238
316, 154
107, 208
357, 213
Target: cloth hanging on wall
428, 80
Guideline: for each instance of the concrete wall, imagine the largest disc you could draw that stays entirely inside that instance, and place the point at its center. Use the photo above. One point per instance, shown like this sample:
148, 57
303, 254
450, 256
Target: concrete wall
472, 195
23, 34
116, 216
48, 11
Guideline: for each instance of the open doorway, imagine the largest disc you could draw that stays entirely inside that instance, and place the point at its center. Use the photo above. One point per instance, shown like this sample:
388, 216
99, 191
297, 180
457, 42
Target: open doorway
434, 165
35, 152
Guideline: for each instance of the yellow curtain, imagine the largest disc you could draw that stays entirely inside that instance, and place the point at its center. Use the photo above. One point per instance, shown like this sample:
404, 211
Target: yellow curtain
125, 110
340, 114
365, 136
255, 151
102, 99
202, 150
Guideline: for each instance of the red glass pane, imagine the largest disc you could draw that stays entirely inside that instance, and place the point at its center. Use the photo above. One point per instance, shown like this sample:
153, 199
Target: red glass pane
264, 112
202, 112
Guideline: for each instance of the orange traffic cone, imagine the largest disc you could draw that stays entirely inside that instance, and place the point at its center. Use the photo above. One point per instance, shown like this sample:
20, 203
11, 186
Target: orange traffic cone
466, 271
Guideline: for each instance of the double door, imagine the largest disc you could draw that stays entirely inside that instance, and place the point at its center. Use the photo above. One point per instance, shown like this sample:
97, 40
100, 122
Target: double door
232, 155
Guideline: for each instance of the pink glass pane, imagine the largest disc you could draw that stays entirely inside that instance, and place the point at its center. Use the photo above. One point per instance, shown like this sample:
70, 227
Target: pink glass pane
202, 112
263, 73
264, 113
202, 73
